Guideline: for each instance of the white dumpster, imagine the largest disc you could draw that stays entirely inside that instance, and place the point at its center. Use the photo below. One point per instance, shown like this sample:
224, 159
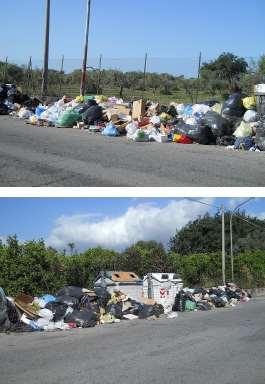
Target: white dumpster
163, 288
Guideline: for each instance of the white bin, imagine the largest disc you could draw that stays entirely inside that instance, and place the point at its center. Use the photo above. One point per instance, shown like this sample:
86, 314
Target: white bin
164, 287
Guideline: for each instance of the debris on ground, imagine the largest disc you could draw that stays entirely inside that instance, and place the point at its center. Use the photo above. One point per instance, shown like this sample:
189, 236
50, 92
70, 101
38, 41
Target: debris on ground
237, 123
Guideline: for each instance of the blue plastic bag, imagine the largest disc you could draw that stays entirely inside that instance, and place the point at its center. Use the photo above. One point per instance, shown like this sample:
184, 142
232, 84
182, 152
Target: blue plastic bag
39, 110
111, 130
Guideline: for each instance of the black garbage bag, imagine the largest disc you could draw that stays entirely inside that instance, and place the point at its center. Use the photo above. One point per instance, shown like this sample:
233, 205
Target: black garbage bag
135, 308
70, 301
103, 296
218, 302
172, 111
83, 318
233, 106
90, 303
199, 133
70, 290
203, 306
151, 310
179, 302
225, 140
4, 110
218, 124
83, 107
115, 310
4, 321
3, 92
92, 114
58, 310
12, 312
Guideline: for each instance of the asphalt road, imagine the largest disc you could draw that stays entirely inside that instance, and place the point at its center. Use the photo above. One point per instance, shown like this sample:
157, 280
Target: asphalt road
37, 156
215, 347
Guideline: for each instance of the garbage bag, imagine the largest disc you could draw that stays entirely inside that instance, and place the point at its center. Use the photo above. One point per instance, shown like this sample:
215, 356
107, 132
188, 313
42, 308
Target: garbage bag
218, 302
12, 312
115, 310
134, 309
225, 140
39, 110
260, 134
190, 305
58, 309
210, 103
250, 116
90, 303
249, 102
69, 118
233, 106
179, 302
92, 114
199, 133
244, 143
69, 301
110, 130
83, 318
182, 139
4, 110
151, 310
219, 125
71, 290
4, 321
83, 107
103, 296
244, 130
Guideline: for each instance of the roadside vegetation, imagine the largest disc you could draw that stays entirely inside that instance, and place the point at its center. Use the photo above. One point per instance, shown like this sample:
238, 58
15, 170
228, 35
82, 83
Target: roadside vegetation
217, 80
194, 252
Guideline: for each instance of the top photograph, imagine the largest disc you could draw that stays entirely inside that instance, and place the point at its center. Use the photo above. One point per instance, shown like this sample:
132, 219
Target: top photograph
132, 93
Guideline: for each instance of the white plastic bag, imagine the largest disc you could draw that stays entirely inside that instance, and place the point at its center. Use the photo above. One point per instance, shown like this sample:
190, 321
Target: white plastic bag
250, 116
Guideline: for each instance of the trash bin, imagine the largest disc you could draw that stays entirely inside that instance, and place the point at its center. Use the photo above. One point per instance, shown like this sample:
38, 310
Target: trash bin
127, 282
260, 98
164, 287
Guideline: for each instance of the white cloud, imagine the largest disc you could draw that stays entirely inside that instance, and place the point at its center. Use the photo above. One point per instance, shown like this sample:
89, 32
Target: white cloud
139, 222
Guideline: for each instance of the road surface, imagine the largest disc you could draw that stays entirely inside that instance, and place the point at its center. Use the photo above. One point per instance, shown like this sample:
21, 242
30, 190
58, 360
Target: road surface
215, 347
37, 156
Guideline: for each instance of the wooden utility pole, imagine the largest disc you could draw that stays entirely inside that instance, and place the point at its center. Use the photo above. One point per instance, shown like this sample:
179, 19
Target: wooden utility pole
198, 75
145, 67
61, 75
5, 69
84, 67
29, 74
44, 87
99, 73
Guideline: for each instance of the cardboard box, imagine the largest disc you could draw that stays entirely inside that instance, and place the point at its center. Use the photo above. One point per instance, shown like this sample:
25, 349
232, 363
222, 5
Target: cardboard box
138, 109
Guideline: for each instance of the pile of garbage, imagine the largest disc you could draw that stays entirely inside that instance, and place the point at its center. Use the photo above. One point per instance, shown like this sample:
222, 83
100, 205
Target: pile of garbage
206, 299
236, 123
71, 307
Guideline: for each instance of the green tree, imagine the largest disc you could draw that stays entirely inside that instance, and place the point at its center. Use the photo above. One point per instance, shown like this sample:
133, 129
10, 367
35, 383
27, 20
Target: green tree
204, 235
226, 67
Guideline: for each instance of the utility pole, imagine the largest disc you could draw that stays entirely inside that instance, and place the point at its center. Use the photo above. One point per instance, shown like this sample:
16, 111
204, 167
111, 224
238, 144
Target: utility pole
29, 74
84, 67
5, 69
198, 75
145, 67
223, 244
61, 75
231, 235
44, 87
99, 73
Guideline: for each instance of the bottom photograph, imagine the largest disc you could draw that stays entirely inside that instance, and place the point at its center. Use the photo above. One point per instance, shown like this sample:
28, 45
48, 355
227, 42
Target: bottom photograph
132, 290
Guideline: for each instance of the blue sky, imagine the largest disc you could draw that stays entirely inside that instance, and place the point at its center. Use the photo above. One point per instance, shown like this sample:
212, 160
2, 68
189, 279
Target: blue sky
109, 222
124, 29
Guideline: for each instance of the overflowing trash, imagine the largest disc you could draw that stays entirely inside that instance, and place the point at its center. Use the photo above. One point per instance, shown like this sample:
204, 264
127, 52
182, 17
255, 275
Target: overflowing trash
206, 299
75, 307
233, 123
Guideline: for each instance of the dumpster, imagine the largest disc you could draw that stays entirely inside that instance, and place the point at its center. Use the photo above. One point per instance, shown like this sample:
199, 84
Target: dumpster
127, 282
162, 287
259, 91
